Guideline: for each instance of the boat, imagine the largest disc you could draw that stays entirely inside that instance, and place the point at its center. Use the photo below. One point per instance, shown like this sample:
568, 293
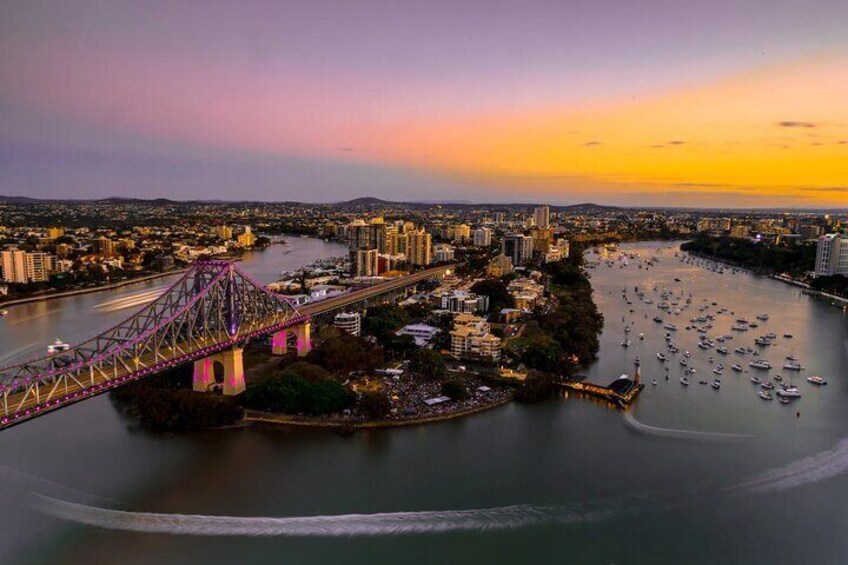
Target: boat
778, 377
641, 336
658, 320
763, 317
791, 358
792, 366
671, 327
722, 350
57, 347
716, 384
654, 382
684, 362
760, 364
3, 313
739, 328
755, 380
766, 395
789, 392
783, 400
661, 356
737, 368
787, 336
684, 381
718, 370
762, 340
767, 385
625, 343
740, 350
816, 380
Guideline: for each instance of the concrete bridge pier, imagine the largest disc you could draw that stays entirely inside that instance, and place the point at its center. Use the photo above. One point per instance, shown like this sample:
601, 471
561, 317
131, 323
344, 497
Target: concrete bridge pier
303, 333
279, 343
232, 362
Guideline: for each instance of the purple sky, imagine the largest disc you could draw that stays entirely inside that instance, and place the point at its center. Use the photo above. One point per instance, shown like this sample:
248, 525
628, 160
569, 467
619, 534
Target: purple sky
279, 100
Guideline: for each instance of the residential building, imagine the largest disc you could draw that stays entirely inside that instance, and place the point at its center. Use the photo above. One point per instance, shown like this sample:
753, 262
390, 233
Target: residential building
500, 266
471, 338
364, 263
224, 233
350, 322
420, 244
483, 237
518, 247
22, 267
832, 255
443, 253
423, 334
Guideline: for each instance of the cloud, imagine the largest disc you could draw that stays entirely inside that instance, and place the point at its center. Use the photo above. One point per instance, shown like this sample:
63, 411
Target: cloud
793, 124
592, 143
346, 149
676, 142
825, 189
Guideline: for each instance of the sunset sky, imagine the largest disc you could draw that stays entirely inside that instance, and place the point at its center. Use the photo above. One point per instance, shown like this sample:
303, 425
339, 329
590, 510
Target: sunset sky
632, 102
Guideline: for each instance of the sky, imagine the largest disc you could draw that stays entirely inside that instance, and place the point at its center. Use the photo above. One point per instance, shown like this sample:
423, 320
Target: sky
625, 102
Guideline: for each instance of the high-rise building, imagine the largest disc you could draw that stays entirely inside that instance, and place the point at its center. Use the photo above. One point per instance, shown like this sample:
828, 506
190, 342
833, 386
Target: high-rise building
832, 255
518, 247
55, 233
483, 237
104, 246
542, 239
246, 238
364, 263
500, 266
542, 216
22, 267
462, 233
224, 233
420, 244
499, 218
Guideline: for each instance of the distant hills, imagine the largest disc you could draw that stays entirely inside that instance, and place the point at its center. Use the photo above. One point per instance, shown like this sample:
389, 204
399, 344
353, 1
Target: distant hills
370, 202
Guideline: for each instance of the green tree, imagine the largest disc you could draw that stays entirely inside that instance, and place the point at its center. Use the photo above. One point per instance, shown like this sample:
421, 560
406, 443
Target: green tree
375, 405
428, 364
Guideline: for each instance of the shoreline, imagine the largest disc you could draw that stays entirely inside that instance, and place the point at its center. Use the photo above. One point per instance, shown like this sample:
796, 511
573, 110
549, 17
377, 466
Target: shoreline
90, 290
256, 417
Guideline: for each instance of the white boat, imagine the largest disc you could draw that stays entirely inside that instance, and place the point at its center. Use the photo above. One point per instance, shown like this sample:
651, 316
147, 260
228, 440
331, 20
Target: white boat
765, 395
684, 362
661, 356
3, 313
816, 380
722, 350
671, 327
755, 380
737, 368
716, 384
792, 366
684, 381
789, 392
57, 347
767, 385
625, 343
760, 364
763, 317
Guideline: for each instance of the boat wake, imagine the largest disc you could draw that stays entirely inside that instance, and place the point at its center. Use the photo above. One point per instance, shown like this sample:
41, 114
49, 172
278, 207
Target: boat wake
27, 482
638, 426
131, 300
344, 525
810, 469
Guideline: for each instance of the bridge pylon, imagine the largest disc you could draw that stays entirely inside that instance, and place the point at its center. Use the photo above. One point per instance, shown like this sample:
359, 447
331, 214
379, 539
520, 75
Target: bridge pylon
232, 361
303, 333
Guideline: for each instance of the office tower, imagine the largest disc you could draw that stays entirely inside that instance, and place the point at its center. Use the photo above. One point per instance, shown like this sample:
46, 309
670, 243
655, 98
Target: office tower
518, 247
542, 216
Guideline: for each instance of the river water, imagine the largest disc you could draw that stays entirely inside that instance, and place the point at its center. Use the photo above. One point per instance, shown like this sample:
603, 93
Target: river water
689, 474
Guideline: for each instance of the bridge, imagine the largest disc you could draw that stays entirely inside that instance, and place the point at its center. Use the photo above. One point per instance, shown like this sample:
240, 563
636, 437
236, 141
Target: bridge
205, 317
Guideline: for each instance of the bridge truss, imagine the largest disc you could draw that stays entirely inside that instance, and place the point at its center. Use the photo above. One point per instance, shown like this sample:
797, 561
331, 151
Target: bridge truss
213, 306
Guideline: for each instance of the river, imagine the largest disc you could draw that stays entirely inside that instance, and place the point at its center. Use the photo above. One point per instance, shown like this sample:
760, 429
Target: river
689, 474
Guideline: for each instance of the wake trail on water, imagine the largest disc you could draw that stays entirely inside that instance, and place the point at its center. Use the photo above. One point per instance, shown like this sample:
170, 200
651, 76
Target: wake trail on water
638, 426
812, 469
343, 525
24, 481
7, 357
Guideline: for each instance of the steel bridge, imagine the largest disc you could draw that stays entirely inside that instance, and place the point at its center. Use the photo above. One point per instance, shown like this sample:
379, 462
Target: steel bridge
206, 316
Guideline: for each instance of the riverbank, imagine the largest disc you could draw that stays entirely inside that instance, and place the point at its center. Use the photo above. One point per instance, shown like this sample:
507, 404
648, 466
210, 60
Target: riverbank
90, 290
258, 417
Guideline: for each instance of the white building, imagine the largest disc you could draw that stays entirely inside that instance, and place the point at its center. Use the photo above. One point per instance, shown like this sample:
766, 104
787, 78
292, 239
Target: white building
471, 338
832, 255
350, 322
421, 333
462, 301
483, 237
443, 253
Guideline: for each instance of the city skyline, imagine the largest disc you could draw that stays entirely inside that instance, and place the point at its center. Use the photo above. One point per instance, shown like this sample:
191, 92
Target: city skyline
632, 104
